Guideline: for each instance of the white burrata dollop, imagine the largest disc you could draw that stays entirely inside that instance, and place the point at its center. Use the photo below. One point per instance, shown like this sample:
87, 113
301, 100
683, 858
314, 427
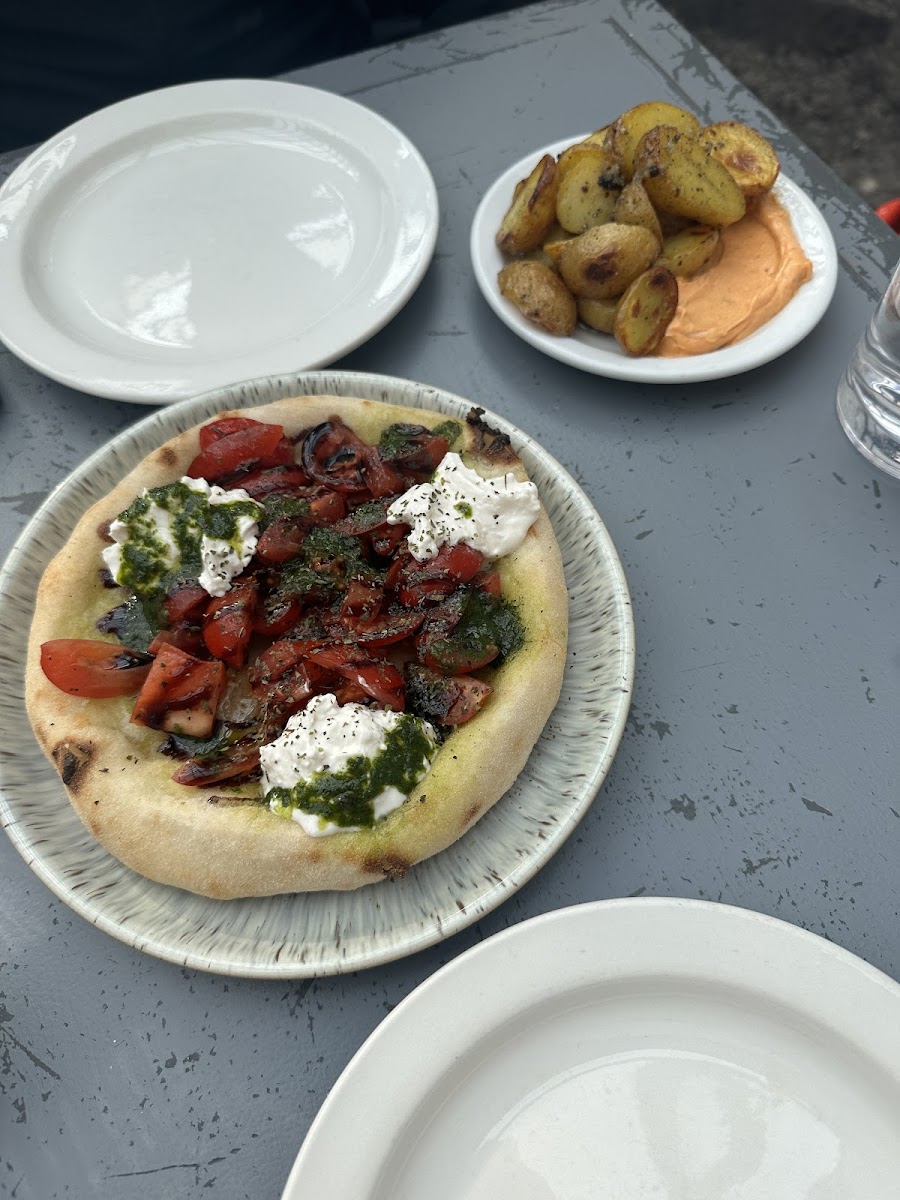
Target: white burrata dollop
222, 559
458, 505
322, 738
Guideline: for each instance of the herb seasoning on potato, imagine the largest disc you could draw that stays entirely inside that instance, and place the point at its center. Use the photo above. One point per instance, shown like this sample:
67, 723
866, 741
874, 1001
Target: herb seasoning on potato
655, 229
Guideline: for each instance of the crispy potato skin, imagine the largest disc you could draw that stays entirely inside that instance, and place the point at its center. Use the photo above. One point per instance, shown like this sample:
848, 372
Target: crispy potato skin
633, 207
627, 131
682, 177
598, 314
689, 251
532, 213
602, 261
744, 153
540, 296
645, 311
588, 190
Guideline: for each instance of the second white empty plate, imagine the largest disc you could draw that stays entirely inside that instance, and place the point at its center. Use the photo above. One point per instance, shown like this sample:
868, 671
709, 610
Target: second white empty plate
200, 235
647, 1049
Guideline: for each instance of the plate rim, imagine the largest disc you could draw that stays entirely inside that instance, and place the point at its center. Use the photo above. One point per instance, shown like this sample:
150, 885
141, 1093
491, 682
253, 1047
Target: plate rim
452, 920
124, 118
716, 364
693, 929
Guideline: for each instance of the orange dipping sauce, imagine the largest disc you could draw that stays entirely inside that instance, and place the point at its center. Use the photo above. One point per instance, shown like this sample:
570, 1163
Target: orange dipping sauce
759, 270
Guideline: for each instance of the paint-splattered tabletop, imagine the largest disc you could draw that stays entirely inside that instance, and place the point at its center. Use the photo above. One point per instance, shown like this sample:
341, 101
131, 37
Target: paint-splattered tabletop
759, 764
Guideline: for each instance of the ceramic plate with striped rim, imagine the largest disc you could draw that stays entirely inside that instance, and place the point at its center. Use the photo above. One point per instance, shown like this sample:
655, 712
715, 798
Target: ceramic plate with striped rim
326, 933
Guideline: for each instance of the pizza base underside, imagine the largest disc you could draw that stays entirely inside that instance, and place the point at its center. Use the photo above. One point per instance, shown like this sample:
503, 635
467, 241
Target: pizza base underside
121, 787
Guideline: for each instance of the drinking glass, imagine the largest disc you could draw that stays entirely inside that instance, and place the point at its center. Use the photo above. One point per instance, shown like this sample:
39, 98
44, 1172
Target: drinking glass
868, 396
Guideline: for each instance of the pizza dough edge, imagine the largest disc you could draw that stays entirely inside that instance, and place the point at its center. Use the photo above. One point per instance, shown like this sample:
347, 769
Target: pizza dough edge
121, 788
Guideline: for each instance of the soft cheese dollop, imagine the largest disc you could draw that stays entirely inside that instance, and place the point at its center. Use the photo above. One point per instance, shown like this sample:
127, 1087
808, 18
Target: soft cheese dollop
338, 753
458, 505
165, 526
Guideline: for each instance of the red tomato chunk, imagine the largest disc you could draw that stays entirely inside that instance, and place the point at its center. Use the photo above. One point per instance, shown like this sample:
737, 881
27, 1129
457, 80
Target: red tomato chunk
181, 693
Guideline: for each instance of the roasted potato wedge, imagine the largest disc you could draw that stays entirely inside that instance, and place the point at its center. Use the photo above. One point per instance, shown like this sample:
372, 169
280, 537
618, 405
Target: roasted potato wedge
745, 153
598, 314
602, 261
682, 177
554, 243
689, 251
627, 131
645, 311
633, 207
593, 141
540, 296
588, 190
532, 213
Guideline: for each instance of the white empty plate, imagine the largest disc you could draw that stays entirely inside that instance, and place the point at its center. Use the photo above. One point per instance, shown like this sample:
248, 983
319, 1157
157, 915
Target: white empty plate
647, 1049
203, 234
600, 353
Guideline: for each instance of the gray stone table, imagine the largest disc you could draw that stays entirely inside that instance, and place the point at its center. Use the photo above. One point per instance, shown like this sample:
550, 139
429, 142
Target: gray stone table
759, 766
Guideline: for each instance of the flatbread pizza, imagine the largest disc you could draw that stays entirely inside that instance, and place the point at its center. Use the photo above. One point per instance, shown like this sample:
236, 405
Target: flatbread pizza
300, 647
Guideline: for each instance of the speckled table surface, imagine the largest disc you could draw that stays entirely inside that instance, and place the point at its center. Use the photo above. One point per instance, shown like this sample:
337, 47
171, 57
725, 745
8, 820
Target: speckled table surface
760, 762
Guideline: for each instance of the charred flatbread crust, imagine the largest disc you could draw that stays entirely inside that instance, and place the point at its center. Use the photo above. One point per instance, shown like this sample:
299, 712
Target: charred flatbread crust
216, 841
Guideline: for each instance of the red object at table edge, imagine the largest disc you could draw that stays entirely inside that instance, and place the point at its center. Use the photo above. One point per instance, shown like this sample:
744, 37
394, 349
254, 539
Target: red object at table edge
890, 213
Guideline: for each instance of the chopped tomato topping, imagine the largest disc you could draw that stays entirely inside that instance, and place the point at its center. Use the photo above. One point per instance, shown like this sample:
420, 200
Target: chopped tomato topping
366, 517
389, 629
455, 658
221, 427
471, 696
274, 661
229, 622
387, 538
252, 447
181, 693
380, 680
361, 604
332, 454
186, 637
415, 449
381, 478
186, 602
447, 701
93, 669
285, 480
439, 576
282, 540
327, 507
276, 615
199, 774
291, 692
489, 581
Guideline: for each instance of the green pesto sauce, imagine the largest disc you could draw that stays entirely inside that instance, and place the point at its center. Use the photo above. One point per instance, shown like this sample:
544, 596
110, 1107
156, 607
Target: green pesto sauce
148, 565
338, 555
449, 430
486, 621
397, 441
464, 508
347, 797
276, 507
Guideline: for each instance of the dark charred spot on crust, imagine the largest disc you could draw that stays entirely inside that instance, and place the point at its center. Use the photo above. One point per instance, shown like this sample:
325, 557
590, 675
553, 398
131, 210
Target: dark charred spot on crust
103, 531
489, 443
167, 456
602, 267
391, 866
71, 760
469, 815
